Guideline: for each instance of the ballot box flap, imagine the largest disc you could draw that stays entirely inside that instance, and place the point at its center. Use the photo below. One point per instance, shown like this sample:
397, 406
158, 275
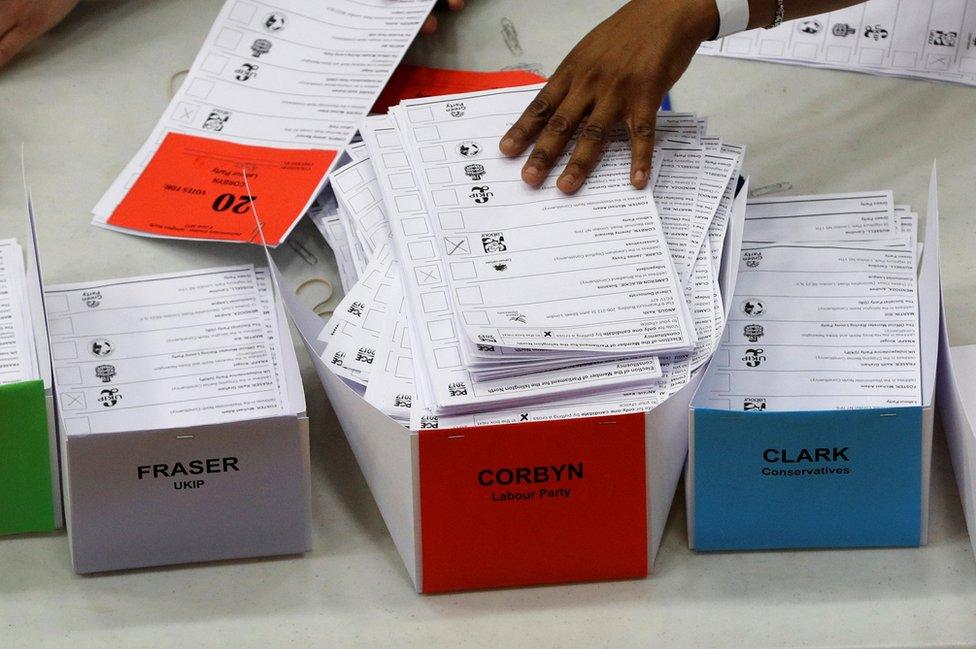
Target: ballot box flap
765, 480
382, 447
929, 294
956, 393
35, 293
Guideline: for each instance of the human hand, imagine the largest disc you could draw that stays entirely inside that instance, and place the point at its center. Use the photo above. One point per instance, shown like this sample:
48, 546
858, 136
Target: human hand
620, 71
430, 25
21, 21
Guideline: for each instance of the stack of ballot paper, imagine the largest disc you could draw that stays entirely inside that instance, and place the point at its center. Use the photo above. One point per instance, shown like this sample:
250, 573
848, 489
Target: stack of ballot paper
825, 314
926, 39
18, 355
277, 90
473, 298
168, 351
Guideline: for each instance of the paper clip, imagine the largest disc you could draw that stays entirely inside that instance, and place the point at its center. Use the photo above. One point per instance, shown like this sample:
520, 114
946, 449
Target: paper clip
766, 190
303, 252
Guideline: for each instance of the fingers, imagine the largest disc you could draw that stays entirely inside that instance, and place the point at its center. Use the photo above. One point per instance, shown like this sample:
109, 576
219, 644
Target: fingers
12, 42
429, 26
533, 118
556, 133
641, 127
589, 148
455, 5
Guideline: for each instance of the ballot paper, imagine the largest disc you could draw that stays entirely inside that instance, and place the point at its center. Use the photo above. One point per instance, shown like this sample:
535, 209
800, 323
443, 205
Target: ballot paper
166, 351
18, 357
825, 314
277, 89
504, 245
926, 39
432, 217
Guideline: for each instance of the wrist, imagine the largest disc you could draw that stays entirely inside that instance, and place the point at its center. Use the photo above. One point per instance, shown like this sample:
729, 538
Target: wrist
704, 18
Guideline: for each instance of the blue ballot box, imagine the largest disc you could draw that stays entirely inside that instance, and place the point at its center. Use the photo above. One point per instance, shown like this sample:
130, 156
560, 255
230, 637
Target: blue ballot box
830, 478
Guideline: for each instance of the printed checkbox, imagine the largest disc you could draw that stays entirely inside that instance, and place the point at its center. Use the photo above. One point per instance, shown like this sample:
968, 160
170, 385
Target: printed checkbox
902, 59
444, 197
938, 62
838, 54
60, 326
229, 38
69, 375
722, 358
456, 246
78, 425
722, 382
395, 160
404, 368
402, 181
409, 203
215, 64
186, 113
475, 317
362, 200
441, 329
373, 218
434, 302
426, 133
463, 270
469, 295
447, 357
451, 220
871, 56
439, 175
64, 351
805, 50
738, 45
382, 295
348, 180
56, 303
200, 88
433, 154
420, 115
419, 250
427, 275
415, 226
387, 139
769, 47
243, 12
73, 401
373, 321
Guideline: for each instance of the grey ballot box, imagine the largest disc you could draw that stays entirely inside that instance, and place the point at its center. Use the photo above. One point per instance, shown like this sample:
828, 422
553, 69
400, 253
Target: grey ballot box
156, 497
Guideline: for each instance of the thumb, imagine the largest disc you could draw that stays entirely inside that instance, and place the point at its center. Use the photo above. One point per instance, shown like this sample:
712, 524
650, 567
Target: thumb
12, 42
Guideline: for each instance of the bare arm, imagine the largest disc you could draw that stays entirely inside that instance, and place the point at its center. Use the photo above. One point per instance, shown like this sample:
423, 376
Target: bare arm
620, 72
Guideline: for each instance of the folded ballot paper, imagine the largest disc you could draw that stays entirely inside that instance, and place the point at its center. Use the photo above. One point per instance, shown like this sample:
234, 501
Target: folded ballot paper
473, 298
168, 351
277, 89
925, 39
18, 354
826, 311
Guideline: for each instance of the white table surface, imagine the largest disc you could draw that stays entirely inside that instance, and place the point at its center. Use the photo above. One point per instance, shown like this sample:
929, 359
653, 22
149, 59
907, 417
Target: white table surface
84, 99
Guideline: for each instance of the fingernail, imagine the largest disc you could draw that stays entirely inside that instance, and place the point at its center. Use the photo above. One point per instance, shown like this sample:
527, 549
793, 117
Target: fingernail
568, 182
640, 176
508, 144
531, 174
